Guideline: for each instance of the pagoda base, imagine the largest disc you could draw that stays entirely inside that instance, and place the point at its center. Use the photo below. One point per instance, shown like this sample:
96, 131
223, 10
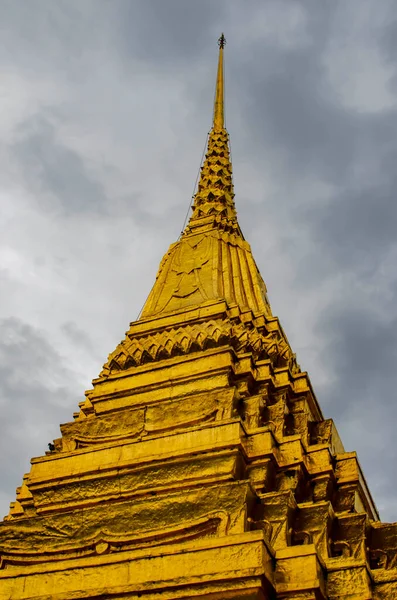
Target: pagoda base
234, 566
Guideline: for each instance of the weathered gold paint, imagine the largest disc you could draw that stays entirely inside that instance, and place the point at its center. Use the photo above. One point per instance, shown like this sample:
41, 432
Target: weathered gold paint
199, 465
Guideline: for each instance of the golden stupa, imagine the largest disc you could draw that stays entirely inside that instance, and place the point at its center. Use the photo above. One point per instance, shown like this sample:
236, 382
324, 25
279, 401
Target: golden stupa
199, 465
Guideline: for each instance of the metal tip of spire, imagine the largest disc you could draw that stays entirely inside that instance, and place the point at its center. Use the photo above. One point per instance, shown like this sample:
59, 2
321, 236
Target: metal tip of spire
218, 116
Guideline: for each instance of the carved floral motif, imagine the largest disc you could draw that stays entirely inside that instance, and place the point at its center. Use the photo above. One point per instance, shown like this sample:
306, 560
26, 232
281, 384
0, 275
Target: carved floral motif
105, 541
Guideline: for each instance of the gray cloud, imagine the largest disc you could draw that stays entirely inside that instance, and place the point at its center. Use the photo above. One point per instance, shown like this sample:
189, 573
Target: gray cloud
358, 226
362, 354
168, 32
36, 389
51, 168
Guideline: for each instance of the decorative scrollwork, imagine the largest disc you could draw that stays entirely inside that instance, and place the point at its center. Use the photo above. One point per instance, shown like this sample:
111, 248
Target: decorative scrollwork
132, 352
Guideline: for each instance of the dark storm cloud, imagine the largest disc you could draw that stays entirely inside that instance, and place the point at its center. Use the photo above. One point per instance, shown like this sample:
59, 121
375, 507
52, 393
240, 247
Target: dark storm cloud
292, 107
357, 227
165, 32
361, 354
34, 392
50, 167
388, 41
50, 37
77, 335
313, 134
362, 351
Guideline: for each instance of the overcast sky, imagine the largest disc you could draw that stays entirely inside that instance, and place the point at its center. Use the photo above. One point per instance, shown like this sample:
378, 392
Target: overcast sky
104, 110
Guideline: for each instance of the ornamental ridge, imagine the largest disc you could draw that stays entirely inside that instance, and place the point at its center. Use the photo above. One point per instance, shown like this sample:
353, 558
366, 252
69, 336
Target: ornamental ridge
215, 193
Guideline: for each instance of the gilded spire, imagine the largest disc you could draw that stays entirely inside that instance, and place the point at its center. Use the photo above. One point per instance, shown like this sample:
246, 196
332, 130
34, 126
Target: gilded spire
219, 117
211, 260
213, 202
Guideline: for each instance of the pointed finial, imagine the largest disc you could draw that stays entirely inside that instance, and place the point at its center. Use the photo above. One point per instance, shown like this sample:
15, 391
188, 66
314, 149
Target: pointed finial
222, 41
218, 107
